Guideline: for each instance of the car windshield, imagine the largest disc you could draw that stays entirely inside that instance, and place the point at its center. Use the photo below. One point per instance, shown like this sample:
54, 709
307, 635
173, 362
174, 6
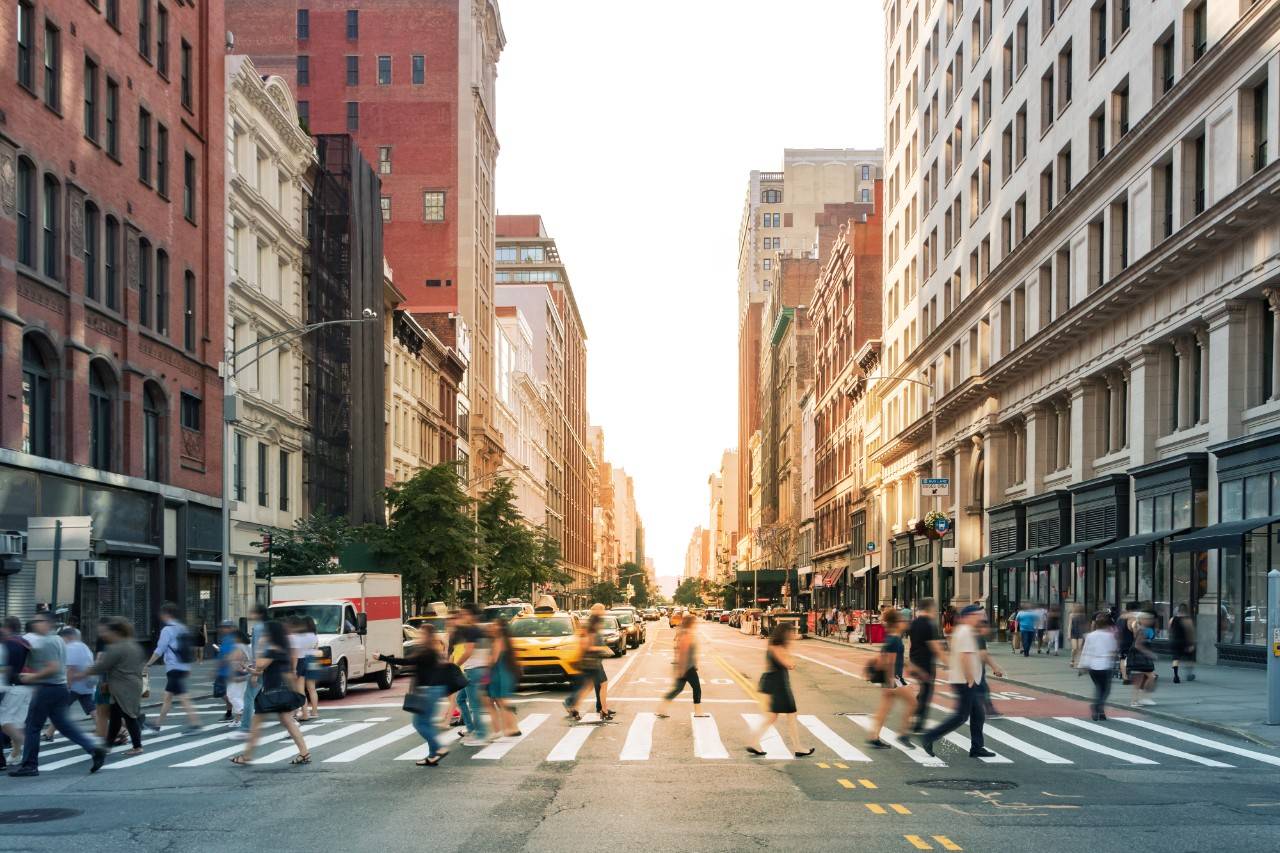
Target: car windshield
542, 626
625, 618
506, 611
327, 616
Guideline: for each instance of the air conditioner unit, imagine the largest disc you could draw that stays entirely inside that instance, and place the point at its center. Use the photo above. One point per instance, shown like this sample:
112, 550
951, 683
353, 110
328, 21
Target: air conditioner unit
11, 544
93, 569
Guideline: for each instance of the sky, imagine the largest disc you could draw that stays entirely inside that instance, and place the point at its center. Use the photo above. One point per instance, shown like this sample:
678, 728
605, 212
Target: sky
632, 127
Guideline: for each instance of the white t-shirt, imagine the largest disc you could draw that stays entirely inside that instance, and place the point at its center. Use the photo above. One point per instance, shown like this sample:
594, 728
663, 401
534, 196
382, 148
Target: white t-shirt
963, 641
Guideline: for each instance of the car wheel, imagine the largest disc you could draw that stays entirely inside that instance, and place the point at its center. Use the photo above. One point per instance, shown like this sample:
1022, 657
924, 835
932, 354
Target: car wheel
338, 690
386, 678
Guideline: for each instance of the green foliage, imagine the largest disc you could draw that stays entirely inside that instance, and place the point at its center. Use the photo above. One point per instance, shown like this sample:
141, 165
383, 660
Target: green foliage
310, 546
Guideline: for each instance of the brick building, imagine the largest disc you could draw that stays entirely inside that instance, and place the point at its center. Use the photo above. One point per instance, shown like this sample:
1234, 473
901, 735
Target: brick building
416, 91
111, 299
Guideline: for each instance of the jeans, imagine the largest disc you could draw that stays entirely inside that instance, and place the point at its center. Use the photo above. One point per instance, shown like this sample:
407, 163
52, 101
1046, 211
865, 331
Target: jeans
469, 702
1101, 688
49, 702
1028, 637
969, 709
925, 696
251, 691
690, 677
425, 723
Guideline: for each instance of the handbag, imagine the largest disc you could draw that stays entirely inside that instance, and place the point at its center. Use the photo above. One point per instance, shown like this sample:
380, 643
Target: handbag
415, 701
454, 678
278, 700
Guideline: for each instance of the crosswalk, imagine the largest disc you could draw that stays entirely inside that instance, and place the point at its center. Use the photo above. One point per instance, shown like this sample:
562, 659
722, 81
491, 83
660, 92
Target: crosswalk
643, 736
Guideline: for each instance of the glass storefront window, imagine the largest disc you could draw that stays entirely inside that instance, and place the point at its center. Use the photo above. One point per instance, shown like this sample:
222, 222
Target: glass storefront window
1232, 508
1181, 510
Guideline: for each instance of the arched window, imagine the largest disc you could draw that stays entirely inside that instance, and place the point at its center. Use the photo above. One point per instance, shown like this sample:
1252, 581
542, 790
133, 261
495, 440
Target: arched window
153, 431
50, 233
144, 283
162, 292
26, 212
102, 415
92, 249
111, 261
37, 400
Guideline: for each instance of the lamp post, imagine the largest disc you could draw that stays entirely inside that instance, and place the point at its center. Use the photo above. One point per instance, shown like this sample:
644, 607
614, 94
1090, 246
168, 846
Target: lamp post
231, 414
475, 520
936, 555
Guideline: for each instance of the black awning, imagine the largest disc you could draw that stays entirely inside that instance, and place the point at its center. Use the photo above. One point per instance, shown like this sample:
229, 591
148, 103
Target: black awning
1069, 552
1018, 558
1135, 545
981, 563
1228, 534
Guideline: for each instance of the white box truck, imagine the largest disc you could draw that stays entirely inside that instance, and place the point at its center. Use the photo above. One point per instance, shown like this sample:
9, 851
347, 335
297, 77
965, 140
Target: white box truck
357, 616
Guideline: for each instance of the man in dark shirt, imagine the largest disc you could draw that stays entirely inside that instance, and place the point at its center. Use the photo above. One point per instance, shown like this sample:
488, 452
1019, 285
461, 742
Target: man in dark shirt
926, 646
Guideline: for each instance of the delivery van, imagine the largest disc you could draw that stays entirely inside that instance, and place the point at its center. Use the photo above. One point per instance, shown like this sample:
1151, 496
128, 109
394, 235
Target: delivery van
357, 616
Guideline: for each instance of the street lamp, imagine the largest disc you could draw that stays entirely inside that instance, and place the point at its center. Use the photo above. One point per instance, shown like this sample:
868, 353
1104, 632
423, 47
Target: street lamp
933, 466
230, 415
475, 520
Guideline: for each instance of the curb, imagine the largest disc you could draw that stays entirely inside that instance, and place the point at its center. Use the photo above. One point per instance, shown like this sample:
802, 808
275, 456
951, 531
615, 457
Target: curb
1217, 728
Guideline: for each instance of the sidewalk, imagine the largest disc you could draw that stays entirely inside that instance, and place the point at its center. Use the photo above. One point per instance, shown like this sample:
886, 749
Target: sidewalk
1225, 699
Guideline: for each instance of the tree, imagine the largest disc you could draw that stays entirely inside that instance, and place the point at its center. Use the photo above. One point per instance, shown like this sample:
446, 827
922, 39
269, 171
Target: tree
515, 557
310, 546
605, 592
689, 593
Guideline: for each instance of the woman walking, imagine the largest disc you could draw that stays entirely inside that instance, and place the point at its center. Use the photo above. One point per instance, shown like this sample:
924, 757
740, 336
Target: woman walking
428, 688
1182, 639
591, 654
888, 673
504, 677
275, 697
776, 684
1142, 659
1098, 658
686, 670
120, 668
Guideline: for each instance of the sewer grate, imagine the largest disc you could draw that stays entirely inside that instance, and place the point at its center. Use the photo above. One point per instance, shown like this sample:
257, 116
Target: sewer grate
37, 815
965, 784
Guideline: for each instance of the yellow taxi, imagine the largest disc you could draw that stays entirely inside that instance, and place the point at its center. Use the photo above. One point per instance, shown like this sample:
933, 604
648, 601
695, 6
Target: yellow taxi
546, 644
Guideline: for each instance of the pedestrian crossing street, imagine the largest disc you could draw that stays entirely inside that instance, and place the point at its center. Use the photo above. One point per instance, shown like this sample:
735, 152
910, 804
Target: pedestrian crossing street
546, 737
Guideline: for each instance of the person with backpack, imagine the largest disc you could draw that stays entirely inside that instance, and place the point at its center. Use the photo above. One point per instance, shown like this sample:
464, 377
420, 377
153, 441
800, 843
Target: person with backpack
175, 648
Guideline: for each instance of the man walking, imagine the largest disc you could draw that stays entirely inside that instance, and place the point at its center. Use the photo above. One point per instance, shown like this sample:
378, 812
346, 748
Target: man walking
46, 674
175, 648
926, 647
474, 660
965, 673
257, 618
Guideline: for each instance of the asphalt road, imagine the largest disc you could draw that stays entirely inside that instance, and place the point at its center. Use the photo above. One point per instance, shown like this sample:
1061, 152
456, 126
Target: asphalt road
673, 784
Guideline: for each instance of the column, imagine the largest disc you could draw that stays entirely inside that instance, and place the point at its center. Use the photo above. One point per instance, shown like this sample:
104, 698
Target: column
1273, 303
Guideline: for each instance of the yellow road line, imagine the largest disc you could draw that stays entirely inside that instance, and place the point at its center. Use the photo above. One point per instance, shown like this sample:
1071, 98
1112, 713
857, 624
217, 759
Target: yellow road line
823, 766
900, 809
875, 808
866, 783
846, 783
918, 842
947, 843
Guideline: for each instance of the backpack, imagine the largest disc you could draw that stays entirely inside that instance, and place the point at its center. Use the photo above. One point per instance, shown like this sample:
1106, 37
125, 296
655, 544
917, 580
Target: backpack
183, 647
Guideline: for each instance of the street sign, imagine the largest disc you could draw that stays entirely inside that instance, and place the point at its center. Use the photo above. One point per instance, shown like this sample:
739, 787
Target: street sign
934, 487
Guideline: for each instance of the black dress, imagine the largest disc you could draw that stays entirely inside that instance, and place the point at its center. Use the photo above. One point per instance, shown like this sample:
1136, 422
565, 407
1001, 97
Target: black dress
778, 686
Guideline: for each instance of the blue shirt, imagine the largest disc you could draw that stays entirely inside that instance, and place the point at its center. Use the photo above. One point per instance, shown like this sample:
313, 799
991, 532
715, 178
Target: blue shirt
1027, 620
168, 647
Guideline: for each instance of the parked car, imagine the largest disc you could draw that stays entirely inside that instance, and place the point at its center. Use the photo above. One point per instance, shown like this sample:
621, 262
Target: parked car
633, 627
613, 635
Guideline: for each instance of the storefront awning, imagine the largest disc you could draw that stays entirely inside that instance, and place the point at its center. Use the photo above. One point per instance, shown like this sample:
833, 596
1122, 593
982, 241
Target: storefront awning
1135, 545
1069, 552
981, 563
1228, 534
1017, 559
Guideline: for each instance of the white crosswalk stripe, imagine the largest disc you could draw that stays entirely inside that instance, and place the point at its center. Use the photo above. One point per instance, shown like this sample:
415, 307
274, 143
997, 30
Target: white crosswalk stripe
706, 738
1014, 742
1080, 742
497, 749
771, 742
1124, 737
889, 736
841, 747
1204, 741
639, 738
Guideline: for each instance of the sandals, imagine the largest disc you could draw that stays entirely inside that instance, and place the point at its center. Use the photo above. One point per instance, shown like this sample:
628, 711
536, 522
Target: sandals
241, 761
432, 761
301, 758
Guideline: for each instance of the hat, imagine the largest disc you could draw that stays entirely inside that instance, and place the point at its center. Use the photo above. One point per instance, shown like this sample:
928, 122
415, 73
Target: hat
971, 609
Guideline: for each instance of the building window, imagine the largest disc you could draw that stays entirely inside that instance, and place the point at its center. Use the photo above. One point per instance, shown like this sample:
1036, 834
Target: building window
152, 431
304, 70
189, 311
384, 70
50, 233
237, 472
353, 71
37, 401
353, 115
304, 24
90, 100
385, 202
144, 146
110, 261
189, 187
101, 416
433, 206
162, 160
92, 256
26, 208
144, 28
112, 119
26, 44
284, 480
419, 69
353, 24
263, 472
144, 283
52, 67
162, 292
162, 40
384, 159
186, 74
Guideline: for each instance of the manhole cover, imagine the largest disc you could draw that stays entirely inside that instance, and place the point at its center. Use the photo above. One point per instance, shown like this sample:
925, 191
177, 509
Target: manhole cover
965, 784
37, 815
